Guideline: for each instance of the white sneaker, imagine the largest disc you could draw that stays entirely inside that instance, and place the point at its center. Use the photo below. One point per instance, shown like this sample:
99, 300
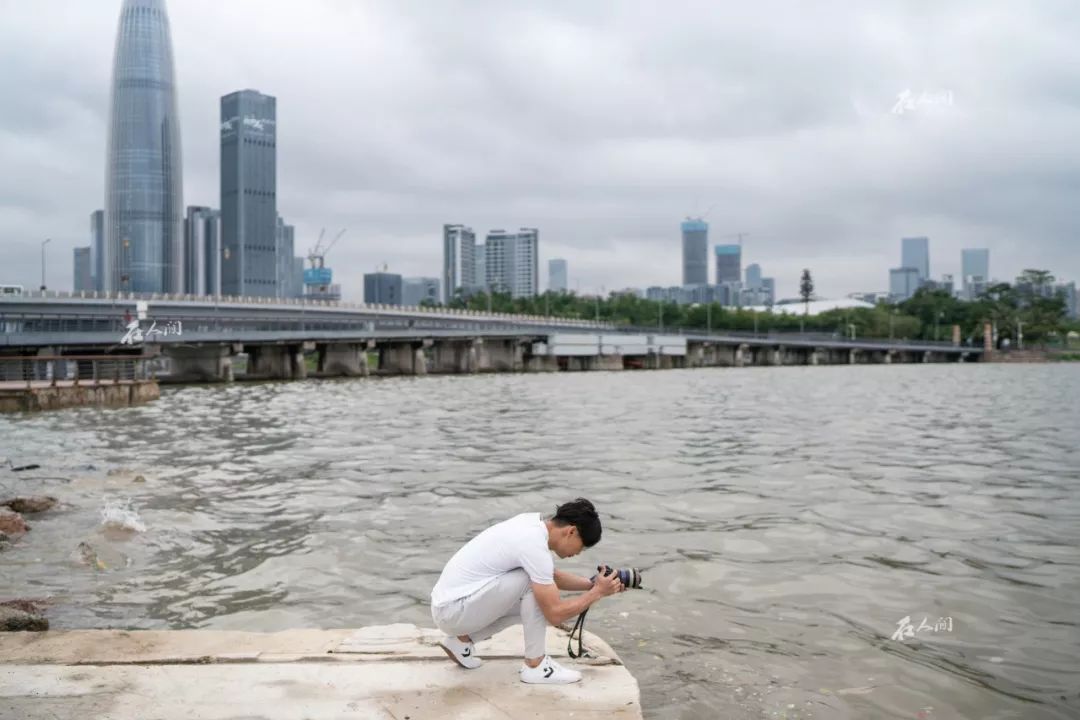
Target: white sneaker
463, 653
548, 672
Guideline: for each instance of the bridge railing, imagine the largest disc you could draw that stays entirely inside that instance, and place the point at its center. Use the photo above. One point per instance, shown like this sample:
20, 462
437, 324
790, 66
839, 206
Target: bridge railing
374, 317
74, 370
780, 336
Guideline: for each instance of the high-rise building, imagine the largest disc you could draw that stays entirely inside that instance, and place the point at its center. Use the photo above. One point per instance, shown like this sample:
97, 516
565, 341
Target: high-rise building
84, 281
695, 252
298, 276
915, 253
730, 293
903, 282
1067, 292
202, 251
382, 288
481, 267
459, 261
249, 194
511, 262
97, 249
144, 205
416, 290
557, 275
753, 276
975, 269
768, 289
285, 256
728, 264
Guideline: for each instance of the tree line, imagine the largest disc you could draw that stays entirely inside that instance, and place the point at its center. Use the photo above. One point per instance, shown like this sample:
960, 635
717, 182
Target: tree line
928, 315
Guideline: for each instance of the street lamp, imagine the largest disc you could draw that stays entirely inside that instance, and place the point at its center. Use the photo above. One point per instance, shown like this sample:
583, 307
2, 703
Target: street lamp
43, 244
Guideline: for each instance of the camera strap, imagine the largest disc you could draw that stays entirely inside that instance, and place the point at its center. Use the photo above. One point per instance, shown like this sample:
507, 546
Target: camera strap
579, 628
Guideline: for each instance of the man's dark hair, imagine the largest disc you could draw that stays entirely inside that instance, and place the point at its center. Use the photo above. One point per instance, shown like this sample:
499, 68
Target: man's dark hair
581, 514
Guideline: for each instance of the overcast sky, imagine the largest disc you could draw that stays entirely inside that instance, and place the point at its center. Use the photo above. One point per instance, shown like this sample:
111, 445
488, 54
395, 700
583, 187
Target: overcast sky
602, 123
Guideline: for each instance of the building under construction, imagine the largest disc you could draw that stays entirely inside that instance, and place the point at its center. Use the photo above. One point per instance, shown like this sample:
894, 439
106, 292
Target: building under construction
319, 279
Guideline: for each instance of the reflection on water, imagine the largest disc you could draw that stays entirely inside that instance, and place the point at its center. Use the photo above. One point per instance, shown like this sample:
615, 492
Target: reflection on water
786, 521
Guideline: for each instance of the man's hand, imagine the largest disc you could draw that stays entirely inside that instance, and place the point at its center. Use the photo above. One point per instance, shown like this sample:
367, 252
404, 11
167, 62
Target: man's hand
558, 610
608, 585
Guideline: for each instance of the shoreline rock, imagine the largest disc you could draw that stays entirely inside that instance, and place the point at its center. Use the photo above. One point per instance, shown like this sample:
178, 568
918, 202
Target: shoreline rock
21, 616
12, 523
32, 504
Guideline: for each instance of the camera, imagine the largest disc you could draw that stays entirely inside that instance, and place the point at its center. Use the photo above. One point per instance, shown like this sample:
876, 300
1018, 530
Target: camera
630, 577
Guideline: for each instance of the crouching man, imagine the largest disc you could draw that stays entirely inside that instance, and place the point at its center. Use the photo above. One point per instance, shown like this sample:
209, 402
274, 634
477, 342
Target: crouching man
505, 576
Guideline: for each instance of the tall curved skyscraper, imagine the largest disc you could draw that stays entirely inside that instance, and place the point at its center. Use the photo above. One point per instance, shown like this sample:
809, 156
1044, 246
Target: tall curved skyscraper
144, 201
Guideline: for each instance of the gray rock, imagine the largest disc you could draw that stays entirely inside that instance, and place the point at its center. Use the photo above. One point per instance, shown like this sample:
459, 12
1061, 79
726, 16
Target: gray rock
35, 504
12, 523
15, 620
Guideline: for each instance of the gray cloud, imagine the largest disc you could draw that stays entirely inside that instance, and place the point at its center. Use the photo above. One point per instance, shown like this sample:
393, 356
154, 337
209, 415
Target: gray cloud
602, 124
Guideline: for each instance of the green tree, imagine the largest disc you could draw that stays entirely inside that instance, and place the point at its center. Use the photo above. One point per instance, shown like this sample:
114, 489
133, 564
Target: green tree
806, 290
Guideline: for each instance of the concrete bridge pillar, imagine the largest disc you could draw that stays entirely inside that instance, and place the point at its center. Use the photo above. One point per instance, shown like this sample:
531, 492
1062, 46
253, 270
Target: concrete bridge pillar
473, 359
741, 355
402, 359
449, 356
709, 355
816, 356
276, 362
505, 355
607, 362
695, 355
927, 357
853, 356
888, 357
344, 359
777, 355
299, 366
206, 363
541, 363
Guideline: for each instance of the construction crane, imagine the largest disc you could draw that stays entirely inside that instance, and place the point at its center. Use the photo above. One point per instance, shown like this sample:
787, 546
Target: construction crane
318, 278
317, 255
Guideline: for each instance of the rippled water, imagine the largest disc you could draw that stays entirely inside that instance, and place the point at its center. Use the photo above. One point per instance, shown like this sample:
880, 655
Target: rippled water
785, 519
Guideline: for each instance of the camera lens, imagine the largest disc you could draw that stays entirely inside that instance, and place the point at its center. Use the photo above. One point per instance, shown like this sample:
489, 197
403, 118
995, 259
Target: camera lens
630, 577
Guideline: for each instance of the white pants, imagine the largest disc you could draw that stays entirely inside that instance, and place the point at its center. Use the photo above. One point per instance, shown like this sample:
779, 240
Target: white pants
505, 601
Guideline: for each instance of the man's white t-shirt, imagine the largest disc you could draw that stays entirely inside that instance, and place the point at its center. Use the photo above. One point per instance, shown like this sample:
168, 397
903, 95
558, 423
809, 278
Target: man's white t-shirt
520, 542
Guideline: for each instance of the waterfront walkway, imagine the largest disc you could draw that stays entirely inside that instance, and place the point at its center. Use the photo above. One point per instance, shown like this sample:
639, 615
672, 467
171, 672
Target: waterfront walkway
392, 672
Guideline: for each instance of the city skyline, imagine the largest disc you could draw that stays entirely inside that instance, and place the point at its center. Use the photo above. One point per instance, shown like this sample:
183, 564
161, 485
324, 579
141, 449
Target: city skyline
399, 174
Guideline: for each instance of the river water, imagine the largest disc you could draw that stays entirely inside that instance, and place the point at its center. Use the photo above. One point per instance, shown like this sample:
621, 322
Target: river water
785, 520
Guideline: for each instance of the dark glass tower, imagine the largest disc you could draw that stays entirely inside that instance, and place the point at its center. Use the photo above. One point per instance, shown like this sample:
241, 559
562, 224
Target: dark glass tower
249, 265
143, 177
695, 252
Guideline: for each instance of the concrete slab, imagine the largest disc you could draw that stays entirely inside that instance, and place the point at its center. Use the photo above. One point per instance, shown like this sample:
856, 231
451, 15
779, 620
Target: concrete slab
393, 671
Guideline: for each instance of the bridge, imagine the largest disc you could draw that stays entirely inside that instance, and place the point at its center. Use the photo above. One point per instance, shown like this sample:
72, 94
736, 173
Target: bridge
200, 336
